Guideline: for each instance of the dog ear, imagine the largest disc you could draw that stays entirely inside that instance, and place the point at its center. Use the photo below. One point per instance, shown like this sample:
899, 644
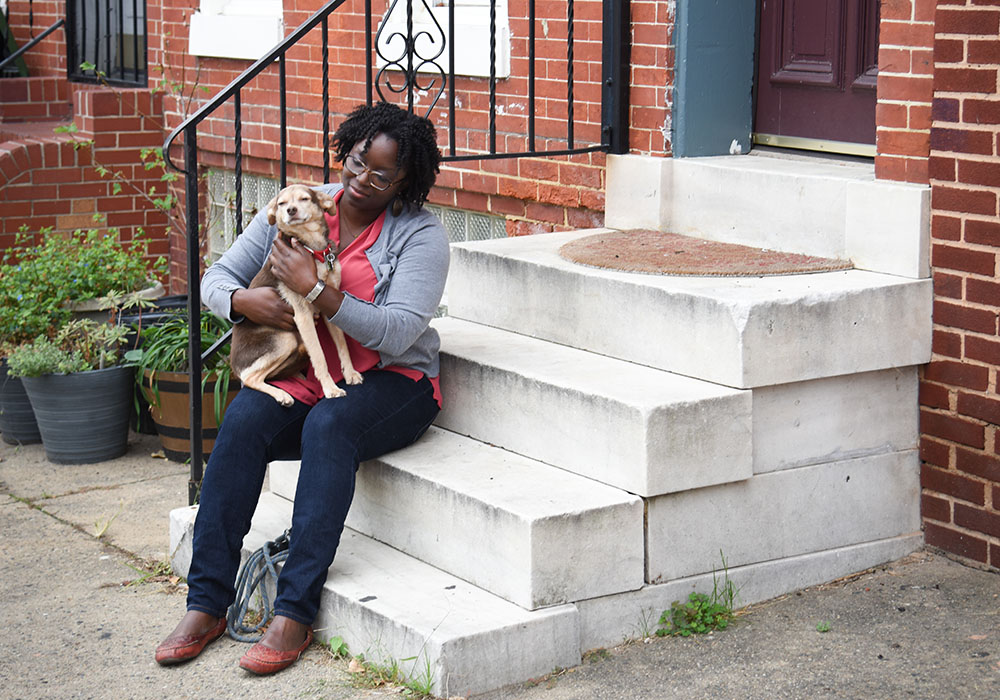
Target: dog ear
272, 211
325, 201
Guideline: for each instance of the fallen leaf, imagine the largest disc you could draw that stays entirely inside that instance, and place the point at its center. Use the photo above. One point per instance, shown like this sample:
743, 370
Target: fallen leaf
355, 666
159, 454
978, 637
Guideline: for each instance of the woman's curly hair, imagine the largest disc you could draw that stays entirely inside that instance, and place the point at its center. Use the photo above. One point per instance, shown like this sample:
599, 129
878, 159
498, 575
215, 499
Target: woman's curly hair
418, 152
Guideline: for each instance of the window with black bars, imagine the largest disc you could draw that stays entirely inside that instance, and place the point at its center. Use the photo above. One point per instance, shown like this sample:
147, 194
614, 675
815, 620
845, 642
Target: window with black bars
106, 41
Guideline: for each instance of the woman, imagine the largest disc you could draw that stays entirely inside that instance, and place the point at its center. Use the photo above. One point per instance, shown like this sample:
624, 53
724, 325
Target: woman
394, 260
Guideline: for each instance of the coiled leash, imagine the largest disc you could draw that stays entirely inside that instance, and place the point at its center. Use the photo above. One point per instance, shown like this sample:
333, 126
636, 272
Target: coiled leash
254, 572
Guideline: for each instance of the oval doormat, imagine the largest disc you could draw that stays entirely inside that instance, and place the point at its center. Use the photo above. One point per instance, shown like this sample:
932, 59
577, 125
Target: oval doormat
655, 252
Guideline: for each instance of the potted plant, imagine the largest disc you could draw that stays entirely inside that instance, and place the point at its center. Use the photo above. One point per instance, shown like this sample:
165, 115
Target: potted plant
43, 278
79, 390
162, 371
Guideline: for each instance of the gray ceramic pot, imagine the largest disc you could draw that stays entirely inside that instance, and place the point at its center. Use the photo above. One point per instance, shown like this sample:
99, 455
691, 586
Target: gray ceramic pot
17, 420
83, 417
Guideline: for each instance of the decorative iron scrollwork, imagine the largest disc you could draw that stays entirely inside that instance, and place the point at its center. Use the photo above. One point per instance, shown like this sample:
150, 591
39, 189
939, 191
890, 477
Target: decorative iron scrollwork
409, 61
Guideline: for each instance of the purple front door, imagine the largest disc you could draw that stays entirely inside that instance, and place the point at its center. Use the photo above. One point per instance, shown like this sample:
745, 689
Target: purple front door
816, 69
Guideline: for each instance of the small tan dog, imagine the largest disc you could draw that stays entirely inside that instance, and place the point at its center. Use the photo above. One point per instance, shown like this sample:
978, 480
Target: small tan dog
260, 353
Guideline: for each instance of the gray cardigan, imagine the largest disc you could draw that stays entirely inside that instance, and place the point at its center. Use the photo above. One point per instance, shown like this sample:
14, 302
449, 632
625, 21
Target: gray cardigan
410, 260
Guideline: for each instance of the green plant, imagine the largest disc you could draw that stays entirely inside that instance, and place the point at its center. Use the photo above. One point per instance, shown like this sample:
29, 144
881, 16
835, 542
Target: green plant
823, 626
79, 346
42, 273
701, 613
164, 348
338, 647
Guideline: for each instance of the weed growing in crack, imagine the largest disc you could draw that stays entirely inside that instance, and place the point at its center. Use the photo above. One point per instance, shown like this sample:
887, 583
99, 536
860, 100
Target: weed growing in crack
701, 613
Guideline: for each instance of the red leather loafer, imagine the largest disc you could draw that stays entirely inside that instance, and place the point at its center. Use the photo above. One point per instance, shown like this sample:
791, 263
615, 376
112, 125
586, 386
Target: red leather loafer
262, 660
184, 647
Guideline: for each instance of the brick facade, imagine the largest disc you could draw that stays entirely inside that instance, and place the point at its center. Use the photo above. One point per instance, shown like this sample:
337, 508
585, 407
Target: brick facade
937, 124
960, 388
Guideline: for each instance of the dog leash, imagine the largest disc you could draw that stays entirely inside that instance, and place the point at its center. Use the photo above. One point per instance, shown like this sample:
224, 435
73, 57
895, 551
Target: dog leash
255, 571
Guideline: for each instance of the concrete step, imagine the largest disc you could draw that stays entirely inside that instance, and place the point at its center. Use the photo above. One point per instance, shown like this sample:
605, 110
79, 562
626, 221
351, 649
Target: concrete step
395, 609
741, 332
527, 532
808, 204
783, 514
639, 429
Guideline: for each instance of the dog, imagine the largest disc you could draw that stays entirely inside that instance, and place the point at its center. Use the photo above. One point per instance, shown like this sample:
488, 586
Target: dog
261, 353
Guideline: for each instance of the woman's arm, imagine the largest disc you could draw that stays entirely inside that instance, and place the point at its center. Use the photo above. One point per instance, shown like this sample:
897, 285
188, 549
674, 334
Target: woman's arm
414, 288
224, 285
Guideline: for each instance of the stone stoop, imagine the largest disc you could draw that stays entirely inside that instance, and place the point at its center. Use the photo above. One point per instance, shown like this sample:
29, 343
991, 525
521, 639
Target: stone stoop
611, 442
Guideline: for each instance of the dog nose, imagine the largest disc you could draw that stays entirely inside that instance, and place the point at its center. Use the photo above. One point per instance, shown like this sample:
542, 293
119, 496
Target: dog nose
291, 211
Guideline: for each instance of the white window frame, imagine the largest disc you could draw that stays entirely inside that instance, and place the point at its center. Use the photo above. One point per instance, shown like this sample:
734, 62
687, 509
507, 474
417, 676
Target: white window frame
472, 35
245, 29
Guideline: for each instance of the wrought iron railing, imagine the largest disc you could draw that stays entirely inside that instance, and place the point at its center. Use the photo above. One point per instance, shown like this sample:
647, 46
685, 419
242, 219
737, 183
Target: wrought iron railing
411, 74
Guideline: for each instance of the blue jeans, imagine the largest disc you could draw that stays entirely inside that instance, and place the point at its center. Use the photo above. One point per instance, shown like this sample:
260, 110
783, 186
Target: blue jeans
388, 411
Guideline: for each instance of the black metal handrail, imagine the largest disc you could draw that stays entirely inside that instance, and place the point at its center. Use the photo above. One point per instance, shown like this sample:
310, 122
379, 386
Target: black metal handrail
24, 49
408, 64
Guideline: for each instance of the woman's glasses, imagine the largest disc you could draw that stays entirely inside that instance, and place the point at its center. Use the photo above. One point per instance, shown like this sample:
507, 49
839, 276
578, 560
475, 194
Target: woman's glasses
379, 181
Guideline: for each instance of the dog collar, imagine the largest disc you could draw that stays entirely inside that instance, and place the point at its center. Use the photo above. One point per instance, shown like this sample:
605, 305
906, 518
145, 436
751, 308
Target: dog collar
324, 256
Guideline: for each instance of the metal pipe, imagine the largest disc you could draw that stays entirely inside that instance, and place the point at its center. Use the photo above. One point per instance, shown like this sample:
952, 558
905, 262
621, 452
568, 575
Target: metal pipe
194, 309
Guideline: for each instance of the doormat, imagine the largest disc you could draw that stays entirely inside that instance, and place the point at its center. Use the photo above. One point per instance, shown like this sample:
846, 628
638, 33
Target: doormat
658, 253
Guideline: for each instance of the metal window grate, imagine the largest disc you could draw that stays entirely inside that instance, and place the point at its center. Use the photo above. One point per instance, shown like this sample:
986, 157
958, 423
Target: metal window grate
106, 41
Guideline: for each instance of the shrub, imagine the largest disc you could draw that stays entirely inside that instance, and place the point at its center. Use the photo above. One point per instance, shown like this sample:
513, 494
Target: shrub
79, 346
37, 279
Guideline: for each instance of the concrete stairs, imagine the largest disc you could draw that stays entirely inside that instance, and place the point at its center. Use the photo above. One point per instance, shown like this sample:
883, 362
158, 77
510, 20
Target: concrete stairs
610, 441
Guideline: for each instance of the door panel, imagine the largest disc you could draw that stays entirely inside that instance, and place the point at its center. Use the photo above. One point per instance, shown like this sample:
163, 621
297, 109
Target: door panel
816, 69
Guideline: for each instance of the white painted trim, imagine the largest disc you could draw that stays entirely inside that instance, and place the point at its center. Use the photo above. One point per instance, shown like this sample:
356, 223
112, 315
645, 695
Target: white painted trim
244, 29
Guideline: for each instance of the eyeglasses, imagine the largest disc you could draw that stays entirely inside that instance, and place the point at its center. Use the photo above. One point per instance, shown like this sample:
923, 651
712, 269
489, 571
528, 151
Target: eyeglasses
355, 166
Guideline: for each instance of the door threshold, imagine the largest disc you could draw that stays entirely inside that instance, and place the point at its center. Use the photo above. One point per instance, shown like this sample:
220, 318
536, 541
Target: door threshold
837, 148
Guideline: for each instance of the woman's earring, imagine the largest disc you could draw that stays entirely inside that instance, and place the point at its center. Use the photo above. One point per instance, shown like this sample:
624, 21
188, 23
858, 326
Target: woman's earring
397, 207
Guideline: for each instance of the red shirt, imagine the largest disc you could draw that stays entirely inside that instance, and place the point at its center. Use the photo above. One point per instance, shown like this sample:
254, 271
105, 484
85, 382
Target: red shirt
357, 278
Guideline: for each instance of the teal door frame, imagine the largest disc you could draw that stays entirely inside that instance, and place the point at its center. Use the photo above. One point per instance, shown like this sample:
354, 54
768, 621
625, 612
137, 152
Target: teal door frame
712, 111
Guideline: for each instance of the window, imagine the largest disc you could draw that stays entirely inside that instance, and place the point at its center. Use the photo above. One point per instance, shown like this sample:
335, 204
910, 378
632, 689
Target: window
236, 28
109, 35
257, 192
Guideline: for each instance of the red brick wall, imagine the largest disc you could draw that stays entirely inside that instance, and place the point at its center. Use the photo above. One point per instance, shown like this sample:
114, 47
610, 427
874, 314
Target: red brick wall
47, 182
28, 20
960, 388
905, 88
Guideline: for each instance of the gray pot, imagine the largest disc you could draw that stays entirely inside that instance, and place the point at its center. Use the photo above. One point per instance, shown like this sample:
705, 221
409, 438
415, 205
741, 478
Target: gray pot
83, 417
17, 420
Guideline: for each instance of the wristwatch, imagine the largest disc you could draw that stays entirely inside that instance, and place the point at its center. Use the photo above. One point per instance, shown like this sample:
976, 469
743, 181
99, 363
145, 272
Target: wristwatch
315, 291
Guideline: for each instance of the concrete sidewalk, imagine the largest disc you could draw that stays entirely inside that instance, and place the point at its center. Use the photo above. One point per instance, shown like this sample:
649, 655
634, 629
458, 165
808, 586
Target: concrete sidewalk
75, 535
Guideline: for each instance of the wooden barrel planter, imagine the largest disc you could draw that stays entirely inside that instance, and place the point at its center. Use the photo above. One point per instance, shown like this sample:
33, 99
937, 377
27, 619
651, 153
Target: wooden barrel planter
83, 417
170, 409
17, 419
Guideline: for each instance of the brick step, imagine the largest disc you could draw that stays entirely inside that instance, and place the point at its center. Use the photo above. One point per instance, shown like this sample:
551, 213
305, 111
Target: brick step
639, 429
527, 532
741, 332
395, 609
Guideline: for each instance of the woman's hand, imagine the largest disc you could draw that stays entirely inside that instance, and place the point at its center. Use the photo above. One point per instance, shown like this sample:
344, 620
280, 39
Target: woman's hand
264, 306
294, 265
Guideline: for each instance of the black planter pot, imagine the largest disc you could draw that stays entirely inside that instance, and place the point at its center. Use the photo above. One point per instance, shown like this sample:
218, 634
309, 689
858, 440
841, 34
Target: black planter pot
83, 417
162, 310
17, 420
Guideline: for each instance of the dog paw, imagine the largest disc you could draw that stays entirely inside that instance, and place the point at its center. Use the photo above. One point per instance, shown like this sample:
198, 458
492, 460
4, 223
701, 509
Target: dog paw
335, 393
285, 399
353, 377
